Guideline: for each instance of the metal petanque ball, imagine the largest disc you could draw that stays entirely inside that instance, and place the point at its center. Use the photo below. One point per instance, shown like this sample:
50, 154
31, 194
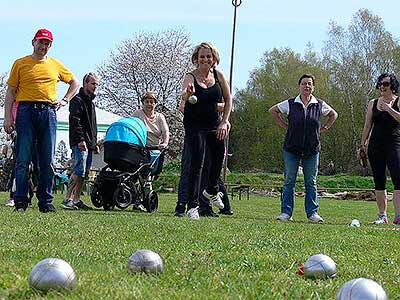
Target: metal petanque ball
52, 274
146, 261
320, 266
361, 289
192, 99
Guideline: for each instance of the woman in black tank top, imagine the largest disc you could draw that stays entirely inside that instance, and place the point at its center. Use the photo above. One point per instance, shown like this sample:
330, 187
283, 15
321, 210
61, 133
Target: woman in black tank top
205, 129
382, 133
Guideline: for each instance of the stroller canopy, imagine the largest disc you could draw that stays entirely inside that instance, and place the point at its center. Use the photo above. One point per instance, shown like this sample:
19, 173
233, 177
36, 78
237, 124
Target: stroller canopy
129, 130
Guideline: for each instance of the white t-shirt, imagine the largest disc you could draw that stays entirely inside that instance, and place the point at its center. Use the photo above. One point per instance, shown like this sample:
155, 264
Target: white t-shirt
157, 127
284, 105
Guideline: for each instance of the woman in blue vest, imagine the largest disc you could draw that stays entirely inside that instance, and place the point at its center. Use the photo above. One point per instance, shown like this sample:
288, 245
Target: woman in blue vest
302, 145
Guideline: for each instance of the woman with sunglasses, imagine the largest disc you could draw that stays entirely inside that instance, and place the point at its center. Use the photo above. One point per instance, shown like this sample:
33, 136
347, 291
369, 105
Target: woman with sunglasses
382, 134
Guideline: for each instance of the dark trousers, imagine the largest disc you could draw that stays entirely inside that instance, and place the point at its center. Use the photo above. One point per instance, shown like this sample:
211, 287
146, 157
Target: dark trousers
190, 188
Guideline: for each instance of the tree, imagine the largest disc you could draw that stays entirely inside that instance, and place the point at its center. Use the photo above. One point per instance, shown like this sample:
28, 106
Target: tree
3, 88
355, 57
61, 156
152, 61
256, 141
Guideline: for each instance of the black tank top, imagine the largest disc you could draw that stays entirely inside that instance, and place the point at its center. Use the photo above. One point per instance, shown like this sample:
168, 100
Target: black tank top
203, 115
386, 130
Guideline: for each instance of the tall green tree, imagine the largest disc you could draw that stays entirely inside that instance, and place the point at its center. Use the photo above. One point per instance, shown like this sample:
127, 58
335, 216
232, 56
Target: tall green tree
256, 141
355, 57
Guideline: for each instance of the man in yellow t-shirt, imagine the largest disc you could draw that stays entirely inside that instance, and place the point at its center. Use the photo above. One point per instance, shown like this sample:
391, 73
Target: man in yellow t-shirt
33, 84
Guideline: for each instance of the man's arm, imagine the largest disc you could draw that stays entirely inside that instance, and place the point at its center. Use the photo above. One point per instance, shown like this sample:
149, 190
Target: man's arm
72, 89
10, 98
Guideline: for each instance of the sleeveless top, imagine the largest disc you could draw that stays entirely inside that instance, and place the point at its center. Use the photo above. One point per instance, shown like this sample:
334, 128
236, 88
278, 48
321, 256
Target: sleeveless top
386, 130
203, 115
302, 136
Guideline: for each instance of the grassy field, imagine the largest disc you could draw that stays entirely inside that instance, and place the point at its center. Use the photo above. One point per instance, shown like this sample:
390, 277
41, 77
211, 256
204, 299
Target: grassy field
245, 256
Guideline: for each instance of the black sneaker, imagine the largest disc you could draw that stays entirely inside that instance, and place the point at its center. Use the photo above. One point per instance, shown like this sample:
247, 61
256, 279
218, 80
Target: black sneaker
81, 205
226, 212
20, 207
179, 214
47, 209
68, 204
180, 210
208, 213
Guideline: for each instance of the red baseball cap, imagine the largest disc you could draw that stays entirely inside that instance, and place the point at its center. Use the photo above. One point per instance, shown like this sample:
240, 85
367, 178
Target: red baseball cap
43, 34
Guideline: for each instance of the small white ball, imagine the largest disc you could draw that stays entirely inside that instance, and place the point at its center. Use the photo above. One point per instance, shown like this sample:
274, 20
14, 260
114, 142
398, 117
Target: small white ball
355, 223
361, 289
320, 266
52, 274
146, 261
192, 99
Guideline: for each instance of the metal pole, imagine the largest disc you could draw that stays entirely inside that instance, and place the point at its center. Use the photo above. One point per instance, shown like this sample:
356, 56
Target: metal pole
236, 4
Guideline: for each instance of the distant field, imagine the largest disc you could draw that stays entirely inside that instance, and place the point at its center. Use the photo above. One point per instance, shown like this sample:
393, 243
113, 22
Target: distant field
245, 256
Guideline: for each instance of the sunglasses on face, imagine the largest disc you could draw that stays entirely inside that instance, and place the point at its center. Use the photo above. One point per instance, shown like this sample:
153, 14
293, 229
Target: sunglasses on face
384, 83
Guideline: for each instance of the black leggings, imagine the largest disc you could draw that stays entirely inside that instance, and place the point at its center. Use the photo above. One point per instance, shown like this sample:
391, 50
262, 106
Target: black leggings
379, 158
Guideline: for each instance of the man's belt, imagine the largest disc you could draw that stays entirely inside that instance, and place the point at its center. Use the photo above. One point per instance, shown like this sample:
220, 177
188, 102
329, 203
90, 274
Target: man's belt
38, 105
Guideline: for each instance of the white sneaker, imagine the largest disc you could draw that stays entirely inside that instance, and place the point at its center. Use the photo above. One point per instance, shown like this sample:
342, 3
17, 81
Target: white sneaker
315, 218
193, 213
10, 202
215, 199
284, 217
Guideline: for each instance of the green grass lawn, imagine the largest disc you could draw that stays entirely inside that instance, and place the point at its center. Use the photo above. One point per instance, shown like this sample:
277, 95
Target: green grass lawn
245, 256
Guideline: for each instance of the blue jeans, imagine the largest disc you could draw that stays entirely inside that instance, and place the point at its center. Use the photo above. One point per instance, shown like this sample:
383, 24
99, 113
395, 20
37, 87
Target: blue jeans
310, 171
82, 161
35, 124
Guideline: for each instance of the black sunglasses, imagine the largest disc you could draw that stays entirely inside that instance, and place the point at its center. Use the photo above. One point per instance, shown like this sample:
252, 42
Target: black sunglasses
384, 83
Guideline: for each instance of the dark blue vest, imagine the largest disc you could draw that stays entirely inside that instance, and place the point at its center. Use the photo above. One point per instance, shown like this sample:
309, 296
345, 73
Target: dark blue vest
302, 136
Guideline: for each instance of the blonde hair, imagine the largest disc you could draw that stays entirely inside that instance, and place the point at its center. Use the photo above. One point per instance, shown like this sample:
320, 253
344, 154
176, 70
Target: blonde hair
149, 95
205, 45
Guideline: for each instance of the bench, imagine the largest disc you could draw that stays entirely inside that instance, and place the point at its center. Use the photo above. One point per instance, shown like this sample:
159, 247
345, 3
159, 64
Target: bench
239, 189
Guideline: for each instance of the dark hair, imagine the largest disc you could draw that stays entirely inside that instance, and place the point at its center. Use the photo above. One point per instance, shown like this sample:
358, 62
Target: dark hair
394, 84
89, 75
307, 75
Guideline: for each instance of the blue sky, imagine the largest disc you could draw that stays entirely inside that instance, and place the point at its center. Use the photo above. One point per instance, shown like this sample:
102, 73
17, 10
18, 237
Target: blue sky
86, 31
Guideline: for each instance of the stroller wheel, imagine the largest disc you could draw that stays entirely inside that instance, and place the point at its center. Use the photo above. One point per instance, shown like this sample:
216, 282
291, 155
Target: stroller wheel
122, 197
95, 196
151, 202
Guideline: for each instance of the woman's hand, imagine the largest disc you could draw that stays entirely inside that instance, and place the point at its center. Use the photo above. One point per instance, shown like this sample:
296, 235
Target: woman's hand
189, 91
223, 130
362, 156
383, 106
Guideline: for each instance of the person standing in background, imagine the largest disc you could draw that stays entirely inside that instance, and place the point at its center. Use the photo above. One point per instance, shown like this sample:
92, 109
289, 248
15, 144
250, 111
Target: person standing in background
33, 83
83, 140
302, 145
381, 133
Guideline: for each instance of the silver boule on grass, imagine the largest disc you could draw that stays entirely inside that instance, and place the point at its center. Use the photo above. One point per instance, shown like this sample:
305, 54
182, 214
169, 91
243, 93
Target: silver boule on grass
361, 289
192, 99
320, 266
52, 274
145, 261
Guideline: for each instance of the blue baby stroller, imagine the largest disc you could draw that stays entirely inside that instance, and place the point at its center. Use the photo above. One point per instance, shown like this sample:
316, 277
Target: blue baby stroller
131, 166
